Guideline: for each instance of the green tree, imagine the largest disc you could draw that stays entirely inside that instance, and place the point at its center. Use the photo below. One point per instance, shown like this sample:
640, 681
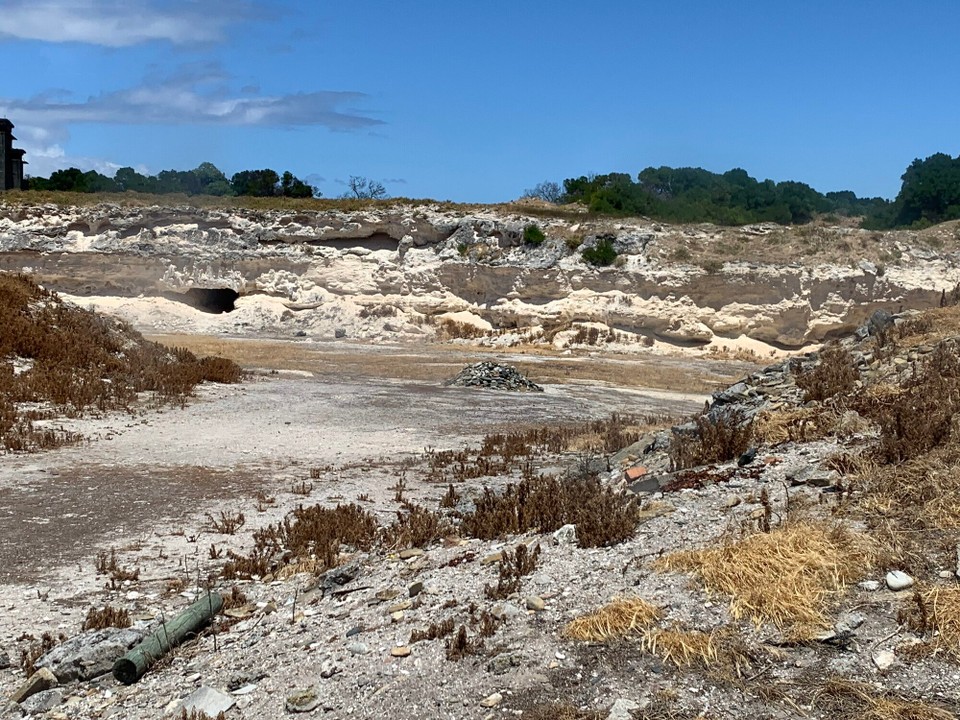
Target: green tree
258, 183
292, 186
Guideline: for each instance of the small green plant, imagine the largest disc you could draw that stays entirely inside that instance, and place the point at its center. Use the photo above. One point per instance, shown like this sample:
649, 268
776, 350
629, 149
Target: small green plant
532, 235
602, 254
462, 249
574, 241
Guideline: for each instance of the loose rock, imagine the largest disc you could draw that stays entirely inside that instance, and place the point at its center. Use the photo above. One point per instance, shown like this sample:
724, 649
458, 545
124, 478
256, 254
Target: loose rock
898, 580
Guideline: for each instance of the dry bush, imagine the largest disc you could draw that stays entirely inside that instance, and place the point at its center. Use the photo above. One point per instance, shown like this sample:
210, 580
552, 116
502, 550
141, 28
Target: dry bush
199, 715
787, 576
75, 361
226, 524
919, 494
833, 376
107, 564
313, 534
512, 569
545, 504
717, 440
453, 330
234, 599
378, 311
617, 619
847, 700
415, 526
106, 617
461, 645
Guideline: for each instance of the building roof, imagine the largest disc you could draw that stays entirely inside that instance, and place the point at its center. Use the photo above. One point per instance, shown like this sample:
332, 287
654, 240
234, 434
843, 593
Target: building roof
6, 124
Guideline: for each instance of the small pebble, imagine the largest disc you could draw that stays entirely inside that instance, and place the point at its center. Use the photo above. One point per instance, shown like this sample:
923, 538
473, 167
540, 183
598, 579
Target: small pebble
898, 580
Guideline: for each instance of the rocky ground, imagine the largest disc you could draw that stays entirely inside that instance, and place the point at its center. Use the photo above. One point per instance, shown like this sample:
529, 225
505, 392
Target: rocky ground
341, 643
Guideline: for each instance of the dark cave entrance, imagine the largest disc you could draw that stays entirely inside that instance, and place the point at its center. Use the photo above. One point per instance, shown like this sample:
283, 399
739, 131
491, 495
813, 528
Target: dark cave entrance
211, 300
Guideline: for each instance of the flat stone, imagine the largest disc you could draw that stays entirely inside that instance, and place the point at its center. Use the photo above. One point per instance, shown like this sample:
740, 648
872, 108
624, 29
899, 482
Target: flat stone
41, 680
416, 589
90, 654
494, 558
208, 700
410, 553
623, 709
898, 580
491, 700
566, 535
397, 616
42, 701
400, 606
535, 603
302, 701
386, 595
884, 659
401, 651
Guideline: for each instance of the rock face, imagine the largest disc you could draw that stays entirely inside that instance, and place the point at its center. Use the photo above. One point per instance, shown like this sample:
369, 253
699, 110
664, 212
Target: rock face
493, 376
390, 272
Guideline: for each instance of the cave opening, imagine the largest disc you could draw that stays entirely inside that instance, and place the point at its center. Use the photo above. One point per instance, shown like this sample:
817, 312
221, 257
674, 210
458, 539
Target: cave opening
211, 300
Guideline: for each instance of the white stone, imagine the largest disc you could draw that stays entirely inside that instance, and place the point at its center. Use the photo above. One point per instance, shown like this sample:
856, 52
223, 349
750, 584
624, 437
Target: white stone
869, 585
898, 580
491, 700
208, 700
567, 535
623, 709
884, 659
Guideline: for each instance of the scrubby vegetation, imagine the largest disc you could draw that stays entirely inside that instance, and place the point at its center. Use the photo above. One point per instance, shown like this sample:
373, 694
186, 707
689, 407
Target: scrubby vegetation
58, 360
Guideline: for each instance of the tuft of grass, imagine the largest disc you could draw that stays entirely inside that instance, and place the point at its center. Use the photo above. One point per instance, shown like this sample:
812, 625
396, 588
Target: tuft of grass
847, 700
615, 620
787, 576
533, 235
803, 424
691, 648
935, 613
512, 569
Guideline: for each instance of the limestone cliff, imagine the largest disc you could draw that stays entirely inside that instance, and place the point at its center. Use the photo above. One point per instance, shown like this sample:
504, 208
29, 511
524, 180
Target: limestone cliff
398, 271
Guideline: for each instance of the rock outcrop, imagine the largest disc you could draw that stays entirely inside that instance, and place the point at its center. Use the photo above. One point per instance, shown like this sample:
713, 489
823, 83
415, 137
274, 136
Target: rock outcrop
389, 272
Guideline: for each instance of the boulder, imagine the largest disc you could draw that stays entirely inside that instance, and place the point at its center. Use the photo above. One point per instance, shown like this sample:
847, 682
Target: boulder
90, 654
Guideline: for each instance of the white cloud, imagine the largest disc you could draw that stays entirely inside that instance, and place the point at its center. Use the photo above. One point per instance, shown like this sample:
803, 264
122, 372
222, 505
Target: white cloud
119, 23
185, 99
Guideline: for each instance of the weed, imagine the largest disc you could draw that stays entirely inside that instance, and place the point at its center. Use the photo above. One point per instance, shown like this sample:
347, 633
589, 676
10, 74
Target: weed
434, 632
302, 488
106, 617
512, 568
415, 526
234, 599
544, 504
195, 714
226, 524
723, 438
106, 564
601, 254
37, 649
833, 376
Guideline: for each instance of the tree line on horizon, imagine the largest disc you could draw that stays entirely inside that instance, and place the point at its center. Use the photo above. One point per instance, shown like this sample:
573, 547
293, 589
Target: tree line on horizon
930, 194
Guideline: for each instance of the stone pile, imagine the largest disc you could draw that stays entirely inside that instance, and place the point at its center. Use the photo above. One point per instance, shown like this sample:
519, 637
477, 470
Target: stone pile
494, 376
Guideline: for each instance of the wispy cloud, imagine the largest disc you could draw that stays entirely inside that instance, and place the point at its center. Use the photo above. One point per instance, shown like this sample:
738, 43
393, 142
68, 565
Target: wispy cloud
196, 95
120, 23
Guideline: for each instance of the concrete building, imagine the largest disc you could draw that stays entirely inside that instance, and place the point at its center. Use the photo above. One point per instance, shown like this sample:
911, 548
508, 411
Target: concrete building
11, 159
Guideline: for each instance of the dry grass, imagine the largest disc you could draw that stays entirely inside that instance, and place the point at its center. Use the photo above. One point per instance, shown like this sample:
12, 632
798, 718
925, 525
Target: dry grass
787, 577
617, 619
832, 378
689, 648
935, 613
803, 424
847, 700
74, 361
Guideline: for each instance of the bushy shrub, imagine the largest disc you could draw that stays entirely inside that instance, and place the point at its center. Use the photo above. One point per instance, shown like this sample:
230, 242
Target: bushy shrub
602, 254
532, 235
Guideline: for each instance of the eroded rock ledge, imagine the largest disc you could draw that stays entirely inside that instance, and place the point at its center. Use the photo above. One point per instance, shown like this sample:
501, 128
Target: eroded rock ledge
408, 271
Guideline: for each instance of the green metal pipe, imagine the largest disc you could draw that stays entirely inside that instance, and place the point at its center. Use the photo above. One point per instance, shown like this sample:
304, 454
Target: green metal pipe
135, 663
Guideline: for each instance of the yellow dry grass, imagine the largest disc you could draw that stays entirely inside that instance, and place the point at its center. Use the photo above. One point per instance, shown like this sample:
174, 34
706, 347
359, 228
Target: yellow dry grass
936, 610
685, 648
788, 577
848, 700
796, 425
617, 619
921, 493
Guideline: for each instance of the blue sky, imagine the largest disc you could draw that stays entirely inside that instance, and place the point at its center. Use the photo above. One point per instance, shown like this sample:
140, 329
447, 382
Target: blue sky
476, 101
